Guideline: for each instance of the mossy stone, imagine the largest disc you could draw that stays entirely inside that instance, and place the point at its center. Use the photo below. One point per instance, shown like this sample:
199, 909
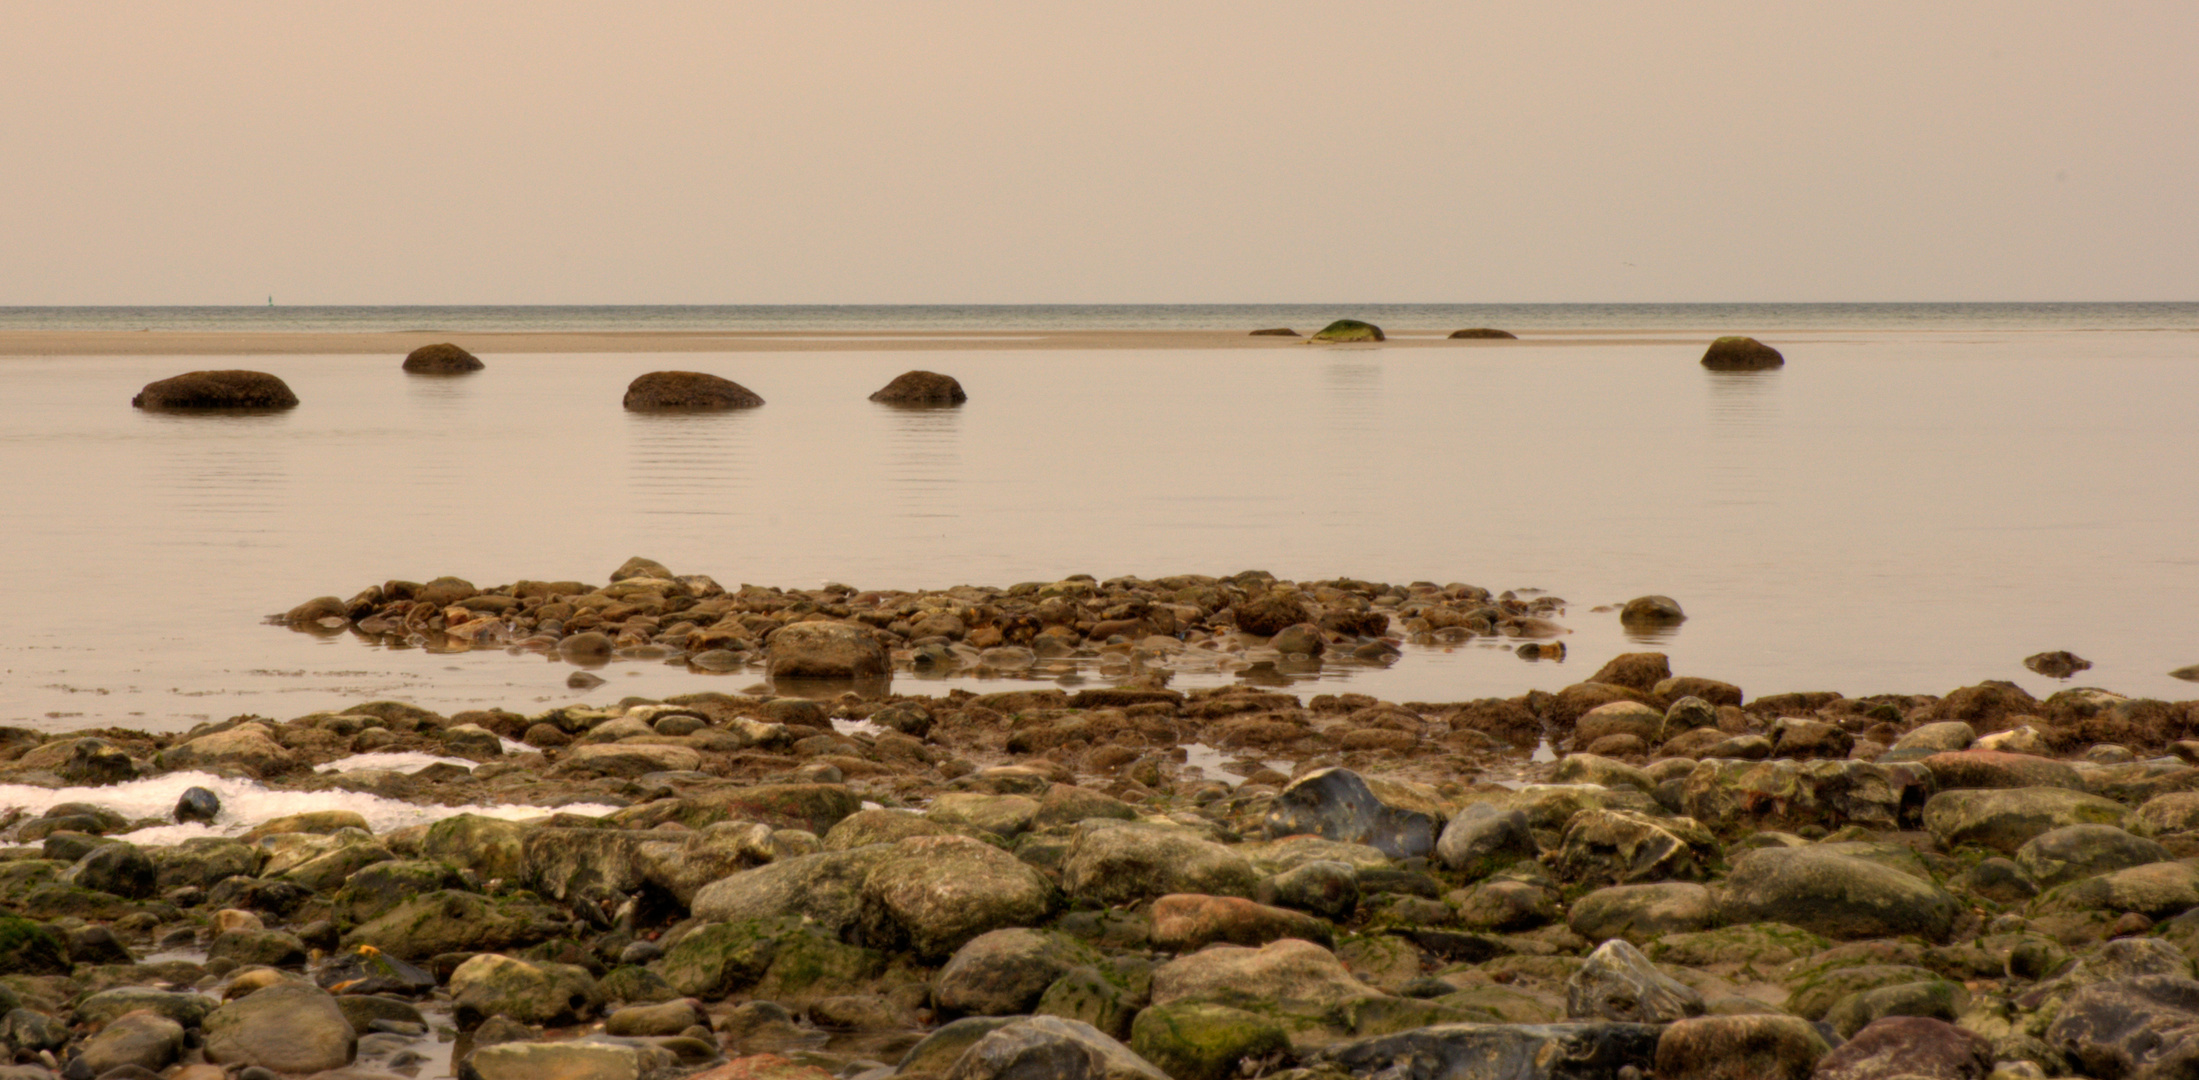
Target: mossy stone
1349, 330
1194, 1041
30, 948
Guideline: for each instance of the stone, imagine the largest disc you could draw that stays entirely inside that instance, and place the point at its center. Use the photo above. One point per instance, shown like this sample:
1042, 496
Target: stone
2080, 851
1324, 887
441, 359
1339, 804
921, 388
2057, 665
1481, 839
197, 804
250, 749
1651, 611
1050, 1048
1279, 331
1837, 896
937, 1052
2142, 1027
1643, 913
1185, 922
184, 1008
1299, 640
687, 391
216, 390
2156, 890
1089, 995
1909, 1048
449, 921
1504, 904
2175, 812
362, 971
287, 1027
1976, 768
1934, 998
662, 1018
826, 888
122, 869
1798, 738
580, 1059
1270, 612
1635, 671
1937, 737
248, 948
1290, 976
1122, 862
1484, 332
1753, 1047
1005, 816
1737, 353
1617, 982
1591, 768
2005, 819
1622, 847
1348, 330
1757, 795
1196, 1041
825, 650
1004, 972
1590, 1051
553, 995
143, 1039
932, 894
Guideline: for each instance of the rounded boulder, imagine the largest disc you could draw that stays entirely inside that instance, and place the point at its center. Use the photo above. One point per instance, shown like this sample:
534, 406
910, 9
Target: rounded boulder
1736, 353
921, 388
687, 391
214, 390
441, 359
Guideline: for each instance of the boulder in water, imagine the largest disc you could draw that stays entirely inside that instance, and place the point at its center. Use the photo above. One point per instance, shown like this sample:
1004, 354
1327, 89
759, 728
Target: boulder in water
1737, 353
687, 391
203, 390
442, 359
197, 804
1652, 610
2057, 665
1349, 330
921, 388
1280, 331
1485, 332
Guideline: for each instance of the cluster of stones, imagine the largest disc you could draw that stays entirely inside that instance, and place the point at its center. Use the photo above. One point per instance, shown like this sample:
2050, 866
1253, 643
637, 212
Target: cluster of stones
1032, 883
1130, 626
657, 391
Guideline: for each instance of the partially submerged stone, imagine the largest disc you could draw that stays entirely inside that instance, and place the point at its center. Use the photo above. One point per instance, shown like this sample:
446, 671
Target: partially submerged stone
1348, 330
921, 388
688, 391
441, 359
1738, 353
195, 391
1484, 332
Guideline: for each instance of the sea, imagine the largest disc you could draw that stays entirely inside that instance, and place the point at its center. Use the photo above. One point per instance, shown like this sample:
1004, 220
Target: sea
1922, 497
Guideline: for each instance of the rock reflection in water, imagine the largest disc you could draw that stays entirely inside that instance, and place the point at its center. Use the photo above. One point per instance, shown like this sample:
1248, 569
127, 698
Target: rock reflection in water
691, 464
923, 458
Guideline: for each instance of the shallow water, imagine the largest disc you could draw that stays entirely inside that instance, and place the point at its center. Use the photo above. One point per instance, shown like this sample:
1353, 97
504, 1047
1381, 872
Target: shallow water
1894, 511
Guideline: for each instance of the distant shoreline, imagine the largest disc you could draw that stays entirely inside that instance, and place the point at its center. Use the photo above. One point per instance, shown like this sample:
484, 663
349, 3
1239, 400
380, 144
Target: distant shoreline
397, 343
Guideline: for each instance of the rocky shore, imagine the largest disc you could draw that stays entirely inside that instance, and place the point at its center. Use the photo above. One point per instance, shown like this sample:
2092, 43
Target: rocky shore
1107, 881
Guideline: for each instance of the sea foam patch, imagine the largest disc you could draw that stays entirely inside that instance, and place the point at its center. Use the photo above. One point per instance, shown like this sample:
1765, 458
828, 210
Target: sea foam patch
246, 803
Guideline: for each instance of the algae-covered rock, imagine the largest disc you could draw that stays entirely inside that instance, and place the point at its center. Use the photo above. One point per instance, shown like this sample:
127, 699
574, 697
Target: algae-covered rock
1482, 838
441, 359
1004, 972
530, 993
1736, 353
1049, 1046
1754, 1047
1935, 998
825, 887
688, 391
1643, 913
216, 390
1837, 896
1760, 946
934, 893
1194, 1041
144, 1041
2005, 819
2156, 890
1184, 922
1120, 862
449, 922
2140, 1028
1619, 847
1484, 332
1503, 1050
1348, 330
2080, 851
1916, 1046
921, 388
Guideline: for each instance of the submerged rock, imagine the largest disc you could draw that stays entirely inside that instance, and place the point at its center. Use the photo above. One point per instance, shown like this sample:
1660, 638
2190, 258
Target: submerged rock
1280, 331
1736, 353
921, 388
1485, 332
441, 359
1651, 610
1349, 330
213, 390
688, 391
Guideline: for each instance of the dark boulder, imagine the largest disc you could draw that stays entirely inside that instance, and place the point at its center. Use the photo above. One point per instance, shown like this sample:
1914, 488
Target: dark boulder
1651, 611
442, 359
2057, 665
1558, 1051
1485, 332
197, 804
217, 390
825, 650
1741, 354
1910, 1047
921, 388
1349, 330
1280, 331
2129, 1026
1339, 804
687, 391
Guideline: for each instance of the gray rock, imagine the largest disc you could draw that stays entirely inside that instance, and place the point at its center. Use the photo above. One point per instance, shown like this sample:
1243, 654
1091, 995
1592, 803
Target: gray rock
1643, 913
186, 1009
1323, 887
286, 1027
1481, 839
197, 804
1121, 862
2080, 851
933, 894
1051, 1048
1621, 847
2142, 1028
118, 868
825, 887
144, 1039
2005, 819
1835, 895
1943, 735
531, 993
1339, 804
1004, 972
1617, 982
1508, 1051
1934, 998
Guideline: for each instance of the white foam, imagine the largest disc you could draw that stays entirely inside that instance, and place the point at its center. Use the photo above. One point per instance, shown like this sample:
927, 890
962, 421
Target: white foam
246, 803
403, 761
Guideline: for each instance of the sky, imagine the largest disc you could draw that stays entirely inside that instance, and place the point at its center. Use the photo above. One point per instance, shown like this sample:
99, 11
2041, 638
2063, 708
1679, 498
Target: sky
1129, 152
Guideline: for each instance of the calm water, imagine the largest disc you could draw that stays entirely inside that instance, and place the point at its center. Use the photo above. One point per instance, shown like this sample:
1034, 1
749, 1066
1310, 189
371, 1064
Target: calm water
1897, 510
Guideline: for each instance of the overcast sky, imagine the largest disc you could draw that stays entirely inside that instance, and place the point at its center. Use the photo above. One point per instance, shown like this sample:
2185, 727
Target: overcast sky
1131, 152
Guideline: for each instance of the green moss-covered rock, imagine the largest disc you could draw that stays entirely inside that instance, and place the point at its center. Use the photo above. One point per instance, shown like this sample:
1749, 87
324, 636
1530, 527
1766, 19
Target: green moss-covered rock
1737, 353
1087, 994
30, 948
935, 893
635, 984
450, 921
1936, 998
721, 958
1484, 332
1192, 1041
1758, 946
1349, 330
378, 888
494, 985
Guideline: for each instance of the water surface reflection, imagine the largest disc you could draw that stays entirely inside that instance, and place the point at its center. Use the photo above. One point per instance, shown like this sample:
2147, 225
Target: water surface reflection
692, 464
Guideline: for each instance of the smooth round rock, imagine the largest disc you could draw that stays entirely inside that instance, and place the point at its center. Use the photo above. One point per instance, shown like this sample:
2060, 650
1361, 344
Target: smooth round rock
442, 359
687, 391
921, 388
208, 390
1741, 354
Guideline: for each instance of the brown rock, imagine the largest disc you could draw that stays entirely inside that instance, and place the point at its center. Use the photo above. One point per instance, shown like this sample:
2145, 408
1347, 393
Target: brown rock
1636, 671
688, 391
442, 359
1186, 922
1737, 353
230, 389
921, 388
1485, 332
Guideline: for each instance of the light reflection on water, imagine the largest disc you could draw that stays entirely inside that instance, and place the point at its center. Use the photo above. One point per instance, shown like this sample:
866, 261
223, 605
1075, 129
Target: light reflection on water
1888, 513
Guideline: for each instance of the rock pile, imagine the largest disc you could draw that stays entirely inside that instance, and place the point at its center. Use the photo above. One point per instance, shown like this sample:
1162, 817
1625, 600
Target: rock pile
1034, 882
